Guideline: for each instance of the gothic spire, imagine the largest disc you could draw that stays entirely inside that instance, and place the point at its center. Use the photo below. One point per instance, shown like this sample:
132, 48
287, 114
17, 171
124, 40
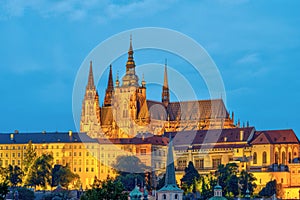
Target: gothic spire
170, 173
130, 65
165, 88
109, 89
91, 84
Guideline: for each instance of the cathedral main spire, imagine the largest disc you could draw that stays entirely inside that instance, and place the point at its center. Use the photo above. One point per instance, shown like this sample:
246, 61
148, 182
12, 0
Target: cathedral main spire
109, 89
130, 65
91, 84
165, 89
130, 78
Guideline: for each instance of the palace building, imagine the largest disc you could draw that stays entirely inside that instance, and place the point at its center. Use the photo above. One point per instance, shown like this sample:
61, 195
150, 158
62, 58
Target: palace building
128, 123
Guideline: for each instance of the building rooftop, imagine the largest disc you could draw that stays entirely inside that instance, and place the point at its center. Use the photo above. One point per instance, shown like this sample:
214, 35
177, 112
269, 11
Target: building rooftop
275, 137
45, 137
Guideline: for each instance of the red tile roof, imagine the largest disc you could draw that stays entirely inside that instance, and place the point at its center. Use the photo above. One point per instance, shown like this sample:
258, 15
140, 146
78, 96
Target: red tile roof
154, 140
211, 136
275, 137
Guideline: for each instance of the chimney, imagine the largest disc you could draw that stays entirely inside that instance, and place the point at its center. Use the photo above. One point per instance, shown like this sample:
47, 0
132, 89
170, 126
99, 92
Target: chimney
70, 133
16, 131
241, 135
12, 136
225, 139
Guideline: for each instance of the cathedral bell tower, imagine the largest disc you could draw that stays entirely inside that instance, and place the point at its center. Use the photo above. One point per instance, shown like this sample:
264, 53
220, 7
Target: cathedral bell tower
129, 100
90, 113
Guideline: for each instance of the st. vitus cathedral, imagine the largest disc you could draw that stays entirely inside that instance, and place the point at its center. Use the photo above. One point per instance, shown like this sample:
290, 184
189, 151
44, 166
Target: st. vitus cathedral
126, 110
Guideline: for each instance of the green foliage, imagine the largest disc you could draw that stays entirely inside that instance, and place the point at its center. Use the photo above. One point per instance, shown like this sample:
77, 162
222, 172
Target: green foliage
246, 181
15, 175
62, 175
105, 190
3, 174
3, 190
28, 161
161, 182
129, 169
40, 173
128, 180
269, 189
130, 164
190, 175
207, 186
228, 179
25, 194
29, 156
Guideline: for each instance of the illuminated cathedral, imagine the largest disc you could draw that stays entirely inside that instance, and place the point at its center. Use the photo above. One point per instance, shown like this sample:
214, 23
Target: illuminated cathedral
126, 110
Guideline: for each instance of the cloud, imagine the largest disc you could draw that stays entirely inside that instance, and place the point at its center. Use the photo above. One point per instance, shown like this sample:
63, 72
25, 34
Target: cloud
102, 10
249, 58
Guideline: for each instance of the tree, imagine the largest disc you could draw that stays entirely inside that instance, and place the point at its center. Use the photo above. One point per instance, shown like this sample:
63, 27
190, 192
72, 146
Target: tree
29, 159
62, 175
246, 181
161, 182
40, 173
105, 190
269, 190
129, 169
3, 174
3, 190
228, 179
130, 164
190, 174
207, 184
15, 175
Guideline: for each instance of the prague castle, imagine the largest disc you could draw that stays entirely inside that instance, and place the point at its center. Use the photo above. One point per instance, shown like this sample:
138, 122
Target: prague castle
128, 123
126, 109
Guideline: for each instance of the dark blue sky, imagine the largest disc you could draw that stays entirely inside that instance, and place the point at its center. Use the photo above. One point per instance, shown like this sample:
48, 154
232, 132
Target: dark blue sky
255, 44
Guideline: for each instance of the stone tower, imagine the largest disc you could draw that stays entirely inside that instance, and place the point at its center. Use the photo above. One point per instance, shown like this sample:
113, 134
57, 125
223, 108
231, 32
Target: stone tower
90, 113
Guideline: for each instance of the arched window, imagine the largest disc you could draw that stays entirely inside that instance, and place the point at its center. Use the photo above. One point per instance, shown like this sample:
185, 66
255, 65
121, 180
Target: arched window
164, 196
276, 158
254, 158
176, 196
283, 158
264, 157
290, 157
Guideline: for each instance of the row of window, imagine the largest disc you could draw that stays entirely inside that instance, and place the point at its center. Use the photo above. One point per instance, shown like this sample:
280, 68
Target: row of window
87, 162
46, 147
283, 157
75, 154
13, 162
86, 169
12, 155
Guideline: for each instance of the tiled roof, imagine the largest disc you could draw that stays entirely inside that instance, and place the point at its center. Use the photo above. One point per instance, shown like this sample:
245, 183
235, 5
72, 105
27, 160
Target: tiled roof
211, 136
275, 137
44, 137
106, 115
188, 110
154, 140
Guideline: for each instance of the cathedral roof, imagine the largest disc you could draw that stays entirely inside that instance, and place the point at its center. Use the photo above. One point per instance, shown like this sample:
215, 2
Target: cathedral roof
188, 110
275, 137
106, 115
45, 137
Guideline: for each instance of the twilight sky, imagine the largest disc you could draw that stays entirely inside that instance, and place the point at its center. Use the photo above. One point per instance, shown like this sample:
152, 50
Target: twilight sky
255, 45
